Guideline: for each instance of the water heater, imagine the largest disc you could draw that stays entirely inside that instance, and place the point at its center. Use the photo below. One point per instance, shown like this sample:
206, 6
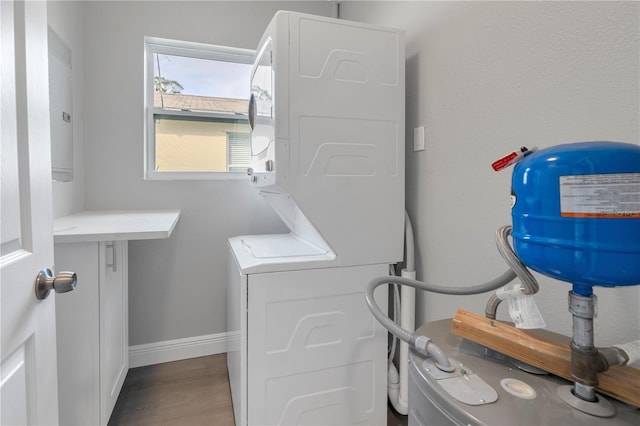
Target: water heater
576, 213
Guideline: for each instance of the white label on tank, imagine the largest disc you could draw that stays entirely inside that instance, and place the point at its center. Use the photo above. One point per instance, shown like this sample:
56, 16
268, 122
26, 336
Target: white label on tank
615, 195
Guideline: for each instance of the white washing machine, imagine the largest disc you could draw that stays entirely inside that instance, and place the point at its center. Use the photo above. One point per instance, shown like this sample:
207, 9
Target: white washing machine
308, 350
522, 398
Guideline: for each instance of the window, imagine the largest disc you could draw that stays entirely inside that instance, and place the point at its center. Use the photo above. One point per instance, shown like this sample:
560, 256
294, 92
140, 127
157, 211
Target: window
196, 100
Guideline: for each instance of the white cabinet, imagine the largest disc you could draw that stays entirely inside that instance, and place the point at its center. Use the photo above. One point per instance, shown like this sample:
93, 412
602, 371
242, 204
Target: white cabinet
92, 330
92, 322
114, 323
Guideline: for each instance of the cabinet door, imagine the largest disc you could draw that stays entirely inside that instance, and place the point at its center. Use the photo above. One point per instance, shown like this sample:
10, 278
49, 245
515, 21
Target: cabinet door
77, 318
114, 323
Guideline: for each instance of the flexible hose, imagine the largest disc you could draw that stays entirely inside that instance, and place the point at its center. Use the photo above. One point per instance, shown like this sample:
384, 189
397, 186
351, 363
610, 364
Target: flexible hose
498, 282
396, 309
504, 248
406, 336
409, 244
517, 269
529, 283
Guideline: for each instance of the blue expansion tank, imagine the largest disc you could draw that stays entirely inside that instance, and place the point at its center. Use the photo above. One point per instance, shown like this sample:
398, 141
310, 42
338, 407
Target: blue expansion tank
576, 213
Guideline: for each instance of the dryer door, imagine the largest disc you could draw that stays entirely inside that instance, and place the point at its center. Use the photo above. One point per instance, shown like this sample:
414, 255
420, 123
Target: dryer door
261, 113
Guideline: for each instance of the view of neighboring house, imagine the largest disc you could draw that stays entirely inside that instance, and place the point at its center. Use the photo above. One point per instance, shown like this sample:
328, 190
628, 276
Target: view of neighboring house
201, 143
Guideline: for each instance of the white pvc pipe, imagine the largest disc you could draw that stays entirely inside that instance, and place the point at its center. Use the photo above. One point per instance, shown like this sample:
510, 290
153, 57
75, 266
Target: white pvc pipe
398, 381
400, 398
408, 322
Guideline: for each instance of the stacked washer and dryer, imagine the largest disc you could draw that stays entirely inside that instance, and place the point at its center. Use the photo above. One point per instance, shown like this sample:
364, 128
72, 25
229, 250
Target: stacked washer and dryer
327, 119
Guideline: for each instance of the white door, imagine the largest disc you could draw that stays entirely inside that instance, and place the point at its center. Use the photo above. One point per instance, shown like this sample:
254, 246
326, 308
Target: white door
28, 387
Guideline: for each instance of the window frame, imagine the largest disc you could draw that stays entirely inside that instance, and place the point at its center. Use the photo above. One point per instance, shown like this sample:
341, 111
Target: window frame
155, 45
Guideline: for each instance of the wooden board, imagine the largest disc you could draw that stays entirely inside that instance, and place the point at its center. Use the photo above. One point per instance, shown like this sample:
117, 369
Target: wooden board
543, 349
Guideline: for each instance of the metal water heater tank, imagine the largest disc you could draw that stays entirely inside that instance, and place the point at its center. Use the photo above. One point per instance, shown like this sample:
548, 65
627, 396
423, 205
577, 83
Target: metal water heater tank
576, 213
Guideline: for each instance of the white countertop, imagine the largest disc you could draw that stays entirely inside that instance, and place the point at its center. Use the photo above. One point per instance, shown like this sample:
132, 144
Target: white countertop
115, 225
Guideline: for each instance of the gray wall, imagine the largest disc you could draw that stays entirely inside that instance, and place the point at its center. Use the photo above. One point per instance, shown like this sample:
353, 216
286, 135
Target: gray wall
486, 78
176, 286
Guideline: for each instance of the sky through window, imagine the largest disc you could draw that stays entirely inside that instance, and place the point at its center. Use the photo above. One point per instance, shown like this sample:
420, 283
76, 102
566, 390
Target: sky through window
205, 77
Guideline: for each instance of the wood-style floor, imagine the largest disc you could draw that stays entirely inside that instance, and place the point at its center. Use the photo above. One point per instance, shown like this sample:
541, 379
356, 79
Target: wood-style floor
183, 393
186, 393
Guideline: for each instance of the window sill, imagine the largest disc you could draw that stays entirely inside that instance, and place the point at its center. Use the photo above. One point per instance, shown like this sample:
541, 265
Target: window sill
195, 176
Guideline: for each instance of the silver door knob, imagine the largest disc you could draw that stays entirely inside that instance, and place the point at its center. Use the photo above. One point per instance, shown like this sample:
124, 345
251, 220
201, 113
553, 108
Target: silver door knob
63, 282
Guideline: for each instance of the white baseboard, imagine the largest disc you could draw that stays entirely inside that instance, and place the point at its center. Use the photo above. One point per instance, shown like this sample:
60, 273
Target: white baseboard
175, 350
